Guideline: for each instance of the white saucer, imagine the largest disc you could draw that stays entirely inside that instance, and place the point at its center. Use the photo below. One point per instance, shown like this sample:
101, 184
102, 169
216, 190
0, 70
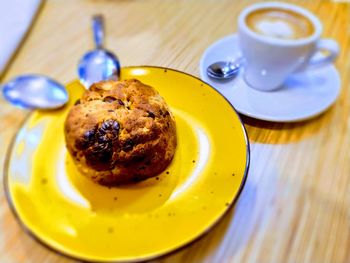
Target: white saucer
302, 97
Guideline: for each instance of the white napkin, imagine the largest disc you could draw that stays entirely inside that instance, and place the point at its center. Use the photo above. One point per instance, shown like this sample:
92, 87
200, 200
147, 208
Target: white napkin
15, 19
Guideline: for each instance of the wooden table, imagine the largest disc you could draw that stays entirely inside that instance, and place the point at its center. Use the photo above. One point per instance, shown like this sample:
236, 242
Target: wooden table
295, 206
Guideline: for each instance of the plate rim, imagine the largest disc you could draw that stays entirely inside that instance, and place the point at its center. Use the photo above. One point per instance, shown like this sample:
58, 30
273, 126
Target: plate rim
30, 233
260, 116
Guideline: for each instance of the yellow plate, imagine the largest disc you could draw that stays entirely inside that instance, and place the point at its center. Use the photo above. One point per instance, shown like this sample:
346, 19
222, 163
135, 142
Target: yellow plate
78, 218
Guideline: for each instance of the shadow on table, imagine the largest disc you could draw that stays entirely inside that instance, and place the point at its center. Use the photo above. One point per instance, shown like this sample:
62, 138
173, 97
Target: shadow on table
282, 133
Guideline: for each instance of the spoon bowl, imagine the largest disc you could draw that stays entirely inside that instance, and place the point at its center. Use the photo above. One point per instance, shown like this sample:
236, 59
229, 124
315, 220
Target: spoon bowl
35, 91
224, 70
98, 64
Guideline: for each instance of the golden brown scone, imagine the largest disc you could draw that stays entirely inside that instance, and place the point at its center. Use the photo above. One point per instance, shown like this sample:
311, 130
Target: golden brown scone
120, 132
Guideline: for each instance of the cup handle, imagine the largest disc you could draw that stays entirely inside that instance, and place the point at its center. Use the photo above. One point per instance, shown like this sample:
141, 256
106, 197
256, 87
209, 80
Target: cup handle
328, 45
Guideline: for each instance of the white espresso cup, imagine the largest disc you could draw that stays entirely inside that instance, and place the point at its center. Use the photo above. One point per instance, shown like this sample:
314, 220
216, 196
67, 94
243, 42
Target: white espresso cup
279, 39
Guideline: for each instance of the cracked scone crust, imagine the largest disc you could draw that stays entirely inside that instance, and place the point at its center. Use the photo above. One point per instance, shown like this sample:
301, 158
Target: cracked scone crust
120, 132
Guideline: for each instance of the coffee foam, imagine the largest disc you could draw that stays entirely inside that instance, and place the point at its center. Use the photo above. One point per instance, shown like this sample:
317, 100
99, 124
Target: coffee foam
278, 29
279, 23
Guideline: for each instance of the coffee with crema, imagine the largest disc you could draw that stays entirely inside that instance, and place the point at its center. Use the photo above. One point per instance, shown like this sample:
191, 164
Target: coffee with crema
280, 24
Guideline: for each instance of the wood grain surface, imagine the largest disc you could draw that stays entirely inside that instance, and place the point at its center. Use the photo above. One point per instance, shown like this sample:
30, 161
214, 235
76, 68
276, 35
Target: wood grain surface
295, 206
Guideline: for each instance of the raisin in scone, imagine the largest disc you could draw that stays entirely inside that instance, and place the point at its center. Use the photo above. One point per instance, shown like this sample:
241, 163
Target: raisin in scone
120, 132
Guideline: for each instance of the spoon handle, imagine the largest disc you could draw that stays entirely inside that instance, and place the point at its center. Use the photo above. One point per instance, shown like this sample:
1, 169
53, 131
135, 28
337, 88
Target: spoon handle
98, 30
